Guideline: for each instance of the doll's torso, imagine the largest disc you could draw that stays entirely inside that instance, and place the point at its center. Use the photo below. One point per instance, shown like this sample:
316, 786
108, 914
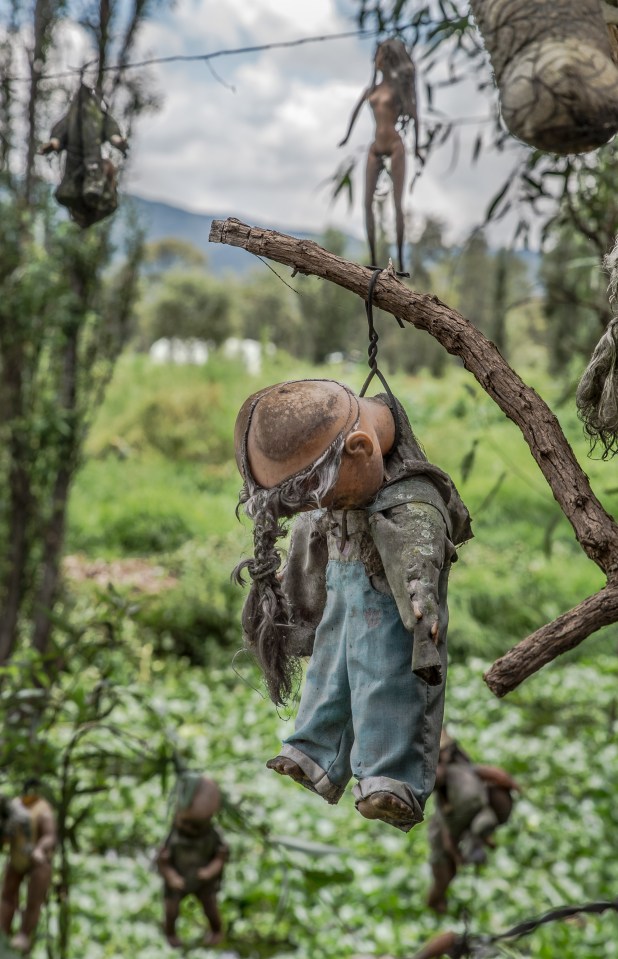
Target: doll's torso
349, 539
25, 831
190, 853
384, 103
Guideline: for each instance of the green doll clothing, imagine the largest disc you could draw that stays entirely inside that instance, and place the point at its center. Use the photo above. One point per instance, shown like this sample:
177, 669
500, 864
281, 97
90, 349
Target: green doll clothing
188, 854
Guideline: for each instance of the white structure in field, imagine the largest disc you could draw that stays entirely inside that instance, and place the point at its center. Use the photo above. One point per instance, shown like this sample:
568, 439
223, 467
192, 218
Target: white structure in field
181, 352
250, 352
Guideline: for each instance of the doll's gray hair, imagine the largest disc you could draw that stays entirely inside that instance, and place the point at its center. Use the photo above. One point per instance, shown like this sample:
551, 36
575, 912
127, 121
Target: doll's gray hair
597, 393
266, 620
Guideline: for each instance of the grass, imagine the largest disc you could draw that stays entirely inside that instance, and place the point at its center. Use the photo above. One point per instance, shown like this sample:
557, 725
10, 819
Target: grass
160, 475
174, 502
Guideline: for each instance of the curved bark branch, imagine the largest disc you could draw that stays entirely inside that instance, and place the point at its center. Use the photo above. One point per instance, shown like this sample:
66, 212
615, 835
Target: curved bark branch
564, 633
595, 529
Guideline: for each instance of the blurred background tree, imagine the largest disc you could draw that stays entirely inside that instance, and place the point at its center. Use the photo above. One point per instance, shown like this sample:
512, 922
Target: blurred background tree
65, 305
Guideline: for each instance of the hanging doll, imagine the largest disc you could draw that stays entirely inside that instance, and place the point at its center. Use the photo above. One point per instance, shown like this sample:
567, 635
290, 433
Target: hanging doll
393, 102
363, 590
88, 185
597, 393
29, 827
472, 800
192, 857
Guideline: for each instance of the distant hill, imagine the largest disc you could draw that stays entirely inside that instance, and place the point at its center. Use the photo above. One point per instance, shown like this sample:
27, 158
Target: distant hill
162, 220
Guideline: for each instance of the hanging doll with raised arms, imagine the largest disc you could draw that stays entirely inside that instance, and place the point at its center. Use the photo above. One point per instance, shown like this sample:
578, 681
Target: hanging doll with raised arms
393, 102
193, 856
363, 590
88, 185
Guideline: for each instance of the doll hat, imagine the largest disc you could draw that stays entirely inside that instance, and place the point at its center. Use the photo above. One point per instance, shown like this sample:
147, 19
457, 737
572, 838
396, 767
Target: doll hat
283, 429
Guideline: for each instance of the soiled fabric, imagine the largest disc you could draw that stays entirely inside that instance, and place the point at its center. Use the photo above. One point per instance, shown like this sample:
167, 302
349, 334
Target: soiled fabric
88, 186
363, 712
188, 854
373, 699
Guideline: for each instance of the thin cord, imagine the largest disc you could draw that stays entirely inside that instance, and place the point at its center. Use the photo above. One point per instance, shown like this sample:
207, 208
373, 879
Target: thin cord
372, 352
199, 56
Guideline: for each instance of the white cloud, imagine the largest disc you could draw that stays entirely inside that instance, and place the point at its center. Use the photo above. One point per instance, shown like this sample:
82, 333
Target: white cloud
263, 152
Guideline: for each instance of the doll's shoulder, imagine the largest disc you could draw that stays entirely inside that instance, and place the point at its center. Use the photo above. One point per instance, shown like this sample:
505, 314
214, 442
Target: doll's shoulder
412, 490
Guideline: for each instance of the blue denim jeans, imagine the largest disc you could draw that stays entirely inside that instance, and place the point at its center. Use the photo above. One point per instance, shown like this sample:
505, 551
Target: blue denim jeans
363, 712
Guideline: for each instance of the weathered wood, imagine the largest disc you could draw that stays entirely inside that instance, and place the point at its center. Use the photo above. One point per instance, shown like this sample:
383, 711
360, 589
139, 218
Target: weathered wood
595, 529
564, 633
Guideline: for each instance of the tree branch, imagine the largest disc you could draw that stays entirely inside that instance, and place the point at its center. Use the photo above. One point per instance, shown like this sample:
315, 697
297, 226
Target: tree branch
564, 633
595, 529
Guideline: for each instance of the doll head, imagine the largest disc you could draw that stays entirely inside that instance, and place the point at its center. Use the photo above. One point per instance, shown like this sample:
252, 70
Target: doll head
308, 443
199, 799
396, 65
31, 791
299, 445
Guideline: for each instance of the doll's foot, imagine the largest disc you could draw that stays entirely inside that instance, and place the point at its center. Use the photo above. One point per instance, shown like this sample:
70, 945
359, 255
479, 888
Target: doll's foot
21, 942
174, 941
287, 767
389, 809
213, 938
436, 903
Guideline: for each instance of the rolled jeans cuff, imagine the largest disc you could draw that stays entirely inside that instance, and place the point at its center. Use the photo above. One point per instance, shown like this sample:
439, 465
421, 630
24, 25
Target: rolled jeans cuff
383, 784
319, 779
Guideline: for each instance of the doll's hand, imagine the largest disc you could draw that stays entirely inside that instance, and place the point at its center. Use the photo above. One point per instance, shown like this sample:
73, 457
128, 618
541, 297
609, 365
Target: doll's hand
343, 142
174, 880
423, 610
210, 871
38, 857
53, 146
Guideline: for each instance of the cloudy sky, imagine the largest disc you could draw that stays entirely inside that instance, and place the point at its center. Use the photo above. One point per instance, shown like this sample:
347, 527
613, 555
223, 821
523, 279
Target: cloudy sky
261, 144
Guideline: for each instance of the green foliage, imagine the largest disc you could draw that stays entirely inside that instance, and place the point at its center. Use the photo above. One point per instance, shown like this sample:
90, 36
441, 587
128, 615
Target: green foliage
203, 610
304, 878
187, 303
308, 879
65, 311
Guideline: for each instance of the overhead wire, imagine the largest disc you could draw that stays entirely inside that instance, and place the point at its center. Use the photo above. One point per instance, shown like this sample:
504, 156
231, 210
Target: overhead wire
205, 57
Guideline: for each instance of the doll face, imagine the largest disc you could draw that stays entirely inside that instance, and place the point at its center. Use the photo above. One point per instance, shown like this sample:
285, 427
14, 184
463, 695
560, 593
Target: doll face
284, 431
190, 824
361, 472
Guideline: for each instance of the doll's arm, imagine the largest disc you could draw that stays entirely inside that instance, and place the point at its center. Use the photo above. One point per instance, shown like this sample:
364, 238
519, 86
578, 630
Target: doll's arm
415, 549
414, 118
47, 838
354, 117
111, 132
495, 776
215, 866
58, 138
172, 878
304, 580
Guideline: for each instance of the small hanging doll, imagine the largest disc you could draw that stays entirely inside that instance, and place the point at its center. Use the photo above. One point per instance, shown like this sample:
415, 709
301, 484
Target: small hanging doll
363, 590
192, 858
471, 802
393, 103
28, 825
88, 185
597, 393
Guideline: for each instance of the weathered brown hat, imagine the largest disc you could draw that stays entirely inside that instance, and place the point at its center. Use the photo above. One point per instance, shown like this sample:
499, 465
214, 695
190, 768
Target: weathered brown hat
285, 428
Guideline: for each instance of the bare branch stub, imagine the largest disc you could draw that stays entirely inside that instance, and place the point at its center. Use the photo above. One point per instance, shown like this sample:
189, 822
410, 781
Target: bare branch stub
595, 529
